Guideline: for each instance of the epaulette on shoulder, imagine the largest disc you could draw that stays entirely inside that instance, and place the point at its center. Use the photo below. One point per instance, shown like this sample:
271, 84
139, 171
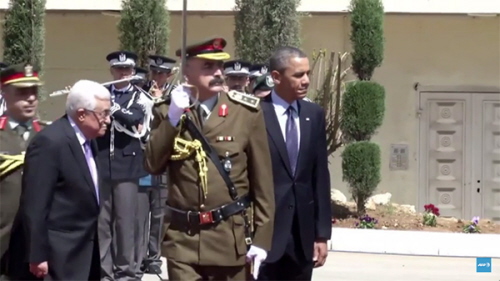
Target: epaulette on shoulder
248, 100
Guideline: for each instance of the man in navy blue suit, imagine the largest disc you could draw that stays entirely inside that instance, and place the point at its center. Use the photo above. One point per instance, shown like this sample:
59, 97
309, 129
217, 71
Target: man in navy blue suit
297, 140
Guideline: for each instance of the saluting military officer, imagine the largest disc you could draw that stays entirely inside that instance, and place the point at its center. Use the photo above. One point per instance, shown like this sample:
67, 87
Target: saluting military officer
211, 189
237, 73
19, 84
120, 156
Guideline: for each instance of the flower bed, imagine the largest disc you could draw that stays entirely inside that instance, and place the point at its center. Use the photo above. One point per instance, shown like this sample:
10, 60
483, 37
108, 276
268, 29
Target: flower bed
396, 217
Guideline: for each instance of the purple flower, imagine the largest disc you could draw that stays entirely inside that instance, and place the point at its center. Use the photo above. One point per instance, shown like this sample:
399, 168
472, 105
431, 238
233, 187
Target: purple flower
475, 220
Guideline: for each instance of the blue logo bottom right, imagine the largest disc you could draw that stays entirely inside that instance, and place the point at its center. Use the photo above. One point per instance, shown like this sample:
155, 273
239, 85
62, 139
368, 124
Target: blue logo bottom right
483, 265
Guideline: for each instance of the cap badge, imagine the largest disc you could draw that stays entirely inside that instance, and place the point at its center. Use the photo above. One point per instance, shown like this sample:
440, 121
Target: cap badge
122, 57
159, 61
263, 70
237, 66
269, 81
217, 43
28, 70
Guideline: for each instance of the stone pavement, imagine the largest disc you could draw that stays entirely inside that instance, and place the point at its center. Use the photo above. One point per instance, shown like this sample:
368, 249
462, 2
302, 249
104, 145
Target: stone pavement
342, 266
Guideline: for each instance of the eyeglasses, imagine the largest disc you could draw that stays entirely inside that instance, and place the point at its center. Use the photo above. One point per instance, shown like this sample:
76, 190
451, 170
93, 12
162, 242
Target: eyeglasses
100, 114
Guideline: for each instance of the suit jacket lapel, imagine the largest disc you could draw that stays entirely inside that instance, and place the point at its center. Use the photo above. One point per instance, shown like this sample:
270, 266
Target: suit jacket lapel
76, 150
274, 130
305, 132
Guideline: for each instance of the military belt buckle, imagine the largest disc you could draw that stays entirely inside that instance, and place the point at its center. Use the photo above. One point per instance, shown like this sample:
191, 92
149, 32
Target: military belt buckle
206, 218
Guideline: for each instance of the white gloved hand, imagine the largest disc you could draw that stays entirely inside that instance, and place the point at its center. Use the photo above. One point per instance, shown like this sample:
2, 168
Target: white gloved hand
178, 103
258, 256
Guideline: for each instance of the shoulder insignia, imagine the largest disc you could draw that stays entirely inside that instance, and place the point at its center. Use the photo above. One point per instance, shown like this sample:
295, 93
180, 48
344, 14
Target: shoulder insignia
243, 98
3, 122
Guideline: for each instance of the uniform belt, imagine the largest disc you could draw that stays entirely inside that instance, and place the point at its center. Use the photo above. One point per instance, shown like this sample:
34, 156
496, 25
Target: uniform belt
210, 217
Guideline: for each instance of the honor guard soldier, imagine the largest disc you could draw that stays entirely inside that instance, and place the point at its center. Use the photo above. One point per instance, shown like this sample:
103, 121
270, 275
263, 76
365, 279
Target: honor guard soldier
257, 70
18, 125
120, 156
153, 194
237, 73
263, 86
214, 145
161, 70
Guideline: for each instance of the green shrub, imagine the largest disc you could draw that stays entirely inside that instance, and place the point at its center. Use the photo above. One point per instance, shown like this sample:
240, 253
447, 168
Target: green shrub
363, 107
367, 36
263, 25
24, 34
361, 170
144, 28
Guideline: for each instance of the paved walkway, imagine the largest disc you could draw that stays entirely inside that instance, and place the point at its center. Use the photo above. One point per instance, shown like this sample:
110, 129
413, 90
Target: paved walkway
375, 267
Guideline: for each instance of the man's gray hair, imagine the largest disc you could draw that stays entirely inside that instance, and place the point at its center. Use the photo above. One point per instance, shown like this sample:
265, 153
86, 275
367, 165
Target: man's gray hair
280, 59
84, 94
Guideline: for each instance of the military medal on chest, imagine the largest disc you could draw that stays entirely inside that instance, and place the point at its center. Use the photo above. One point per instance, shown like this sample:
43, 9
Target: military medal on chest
223, 110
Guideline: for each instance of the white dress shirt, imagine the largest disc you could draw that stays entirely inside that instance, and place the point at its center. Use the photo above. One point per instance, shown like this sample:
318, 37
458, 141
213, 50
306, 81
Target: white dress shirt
81, 139
280, 107
208, 105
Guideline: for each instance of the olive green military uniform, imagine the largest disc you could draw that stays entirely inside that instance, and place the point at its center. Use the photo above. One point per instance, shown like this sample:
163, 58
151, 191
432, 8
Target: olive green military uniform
215, 251
14, 138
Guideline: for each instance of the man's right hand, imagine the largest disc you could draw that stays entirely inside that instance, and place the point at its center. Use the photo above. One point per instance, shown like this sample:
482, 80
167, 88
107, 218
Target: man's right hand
179, 102
40, 270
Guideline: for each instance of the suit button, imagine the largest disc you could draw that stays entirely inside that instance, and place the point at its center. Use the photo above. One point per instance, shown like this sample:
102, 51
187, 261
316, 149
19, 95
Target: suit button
290, 207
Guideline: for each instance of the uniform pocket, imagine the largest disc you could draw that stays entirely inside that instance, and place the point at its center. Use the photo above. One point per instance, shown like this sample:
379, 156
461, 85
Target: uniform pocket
239, 234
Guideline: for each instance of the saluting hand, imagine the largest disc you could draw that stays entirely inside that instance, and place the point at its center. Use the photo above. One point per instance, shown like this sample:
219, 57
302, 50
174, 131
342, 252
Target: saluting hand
40, 270
178, 104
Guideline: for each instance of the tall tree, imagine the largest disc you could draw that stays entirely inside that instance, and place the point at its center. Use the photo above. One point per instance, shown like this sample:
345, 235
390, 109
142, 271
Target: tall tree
363, 103
263, 25
24, 33
144, 28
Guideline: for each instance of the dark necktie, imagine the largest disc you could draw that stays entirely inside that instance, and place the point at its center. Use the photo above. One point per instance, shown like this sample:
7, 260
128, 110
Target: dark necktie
292, 139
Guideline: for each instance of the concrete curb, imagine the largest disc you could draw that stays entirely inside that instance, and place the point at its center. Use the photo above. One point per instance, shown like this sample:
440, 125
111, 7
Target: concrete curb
415, 243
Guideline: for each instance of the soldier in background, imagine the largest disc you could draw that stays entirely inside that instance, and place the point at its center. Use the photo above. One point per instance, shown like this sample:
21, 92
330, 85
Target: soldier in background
18, 125
237, 73
263, 86
143, 73
161, 70
153, 193
256, 71
120, 156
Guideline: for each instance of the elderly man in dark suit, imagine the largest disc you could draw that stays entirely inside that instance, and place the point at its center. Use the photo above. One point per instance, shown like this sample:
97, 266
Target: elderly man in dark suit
61, 196
297, 140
